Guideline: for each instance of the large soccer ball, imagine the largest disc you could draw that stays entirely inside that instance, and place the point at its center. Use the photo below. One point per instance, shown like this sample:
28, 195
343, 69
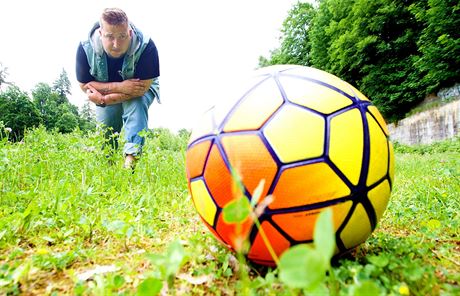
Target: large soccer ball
314, 140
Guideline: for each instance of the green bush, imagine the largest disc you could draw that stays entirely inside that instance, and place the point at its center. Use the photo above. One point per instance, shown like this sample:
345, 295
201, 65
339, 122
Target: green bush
18, 112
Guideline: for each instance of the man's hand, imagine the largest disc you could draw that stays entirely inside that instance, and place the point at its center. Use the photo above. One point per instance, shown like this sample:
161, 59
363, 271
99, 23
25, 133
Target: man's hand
133, 87
94, 95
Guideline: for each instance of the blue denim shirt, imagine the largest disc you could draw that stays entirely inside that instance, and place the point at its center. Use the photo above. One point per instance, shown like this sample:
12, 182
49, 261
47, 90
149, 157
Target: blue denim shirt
97, 60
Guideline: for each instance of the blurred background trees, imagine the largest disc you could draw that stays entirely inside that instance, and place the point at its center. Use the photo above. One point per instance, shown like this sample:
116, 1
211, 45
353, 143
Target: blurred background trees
48, 106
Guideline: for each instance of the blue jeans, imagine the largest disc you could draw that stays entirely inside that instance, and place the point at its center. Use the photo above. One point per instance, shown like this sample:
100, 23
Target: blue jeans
132, 115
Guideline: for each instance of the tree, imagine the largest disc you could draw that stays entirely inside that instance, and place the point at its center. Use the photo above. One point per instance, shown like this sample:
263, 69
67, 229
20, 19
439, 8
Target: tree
87, 118
49, 105
439, 42
67, 121
18, 112
393, 51
295, 42
57, 113
3, 75
325, 29
375, 48
47, 102
184, 133
62, 86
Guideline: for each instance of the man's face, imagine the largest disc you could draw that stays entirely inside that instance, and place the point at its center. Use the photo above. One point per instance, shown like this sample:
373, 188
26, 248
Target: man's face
115, 39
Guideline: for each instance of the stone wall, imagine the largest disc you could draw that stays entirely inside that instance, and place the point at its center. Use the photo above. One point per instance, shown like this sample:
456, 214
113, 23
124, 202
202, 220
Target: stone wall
450, 92
429, 126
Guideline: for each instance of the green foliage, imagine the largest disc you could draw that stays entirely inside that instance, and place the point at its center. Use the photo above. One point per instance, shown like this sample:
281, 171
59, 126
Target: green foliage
295, 42
237, 211
305, 267
164, 139
452, 145
62, 87
3, 76
60, 194
169, 263
56, 111
439, 42
326, 32
373, 46
149, 287
87, 120
17, 112
67, 120
395, 52
46, 102
302, 267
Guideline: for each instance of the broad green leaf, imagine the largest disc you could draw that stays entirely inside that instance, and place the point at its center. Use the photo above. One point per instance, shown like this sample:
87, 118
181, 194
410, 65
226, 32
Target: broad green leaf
118, 281
302, 267
324, 236
237, 210
367, 288
380, 261
320, 290
149, 286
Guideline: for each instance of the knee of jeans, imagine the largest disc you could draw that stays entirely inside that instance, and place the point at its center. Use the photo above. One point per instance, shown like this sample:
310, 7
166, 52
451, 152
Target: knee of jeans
135, 116
142, 103
109, 117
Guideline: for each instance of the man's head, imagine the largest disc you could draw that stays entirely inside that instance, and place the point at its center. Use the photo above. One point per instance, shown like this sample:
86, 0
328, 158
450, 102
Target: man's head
115, 32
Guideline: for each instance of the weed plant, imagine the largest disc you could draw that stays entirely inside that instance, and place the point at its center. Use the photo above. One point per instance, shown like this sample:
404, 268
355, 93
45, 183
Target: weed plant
73, 222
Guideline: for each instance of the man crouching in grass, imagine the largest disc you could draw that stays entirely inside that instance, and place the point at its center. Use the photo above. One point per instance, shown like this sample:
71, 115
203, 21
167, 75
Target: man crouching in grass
118, 69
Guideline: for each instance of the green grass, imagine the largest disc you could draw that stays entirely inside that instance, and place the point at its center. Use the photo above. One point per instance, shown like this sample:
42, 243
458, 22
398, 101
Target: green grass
72, 222
430, 105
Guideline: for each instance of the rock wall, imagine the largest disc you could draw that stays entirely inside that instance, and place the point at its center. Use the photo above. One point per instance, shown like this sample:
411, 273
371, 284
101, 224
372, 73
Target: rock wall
429, 126
450, 92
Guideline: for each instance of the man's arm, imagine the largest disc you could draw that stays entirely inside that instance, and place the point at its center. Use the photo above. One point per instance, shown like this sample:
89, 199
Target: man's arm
93, 95
115, 92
